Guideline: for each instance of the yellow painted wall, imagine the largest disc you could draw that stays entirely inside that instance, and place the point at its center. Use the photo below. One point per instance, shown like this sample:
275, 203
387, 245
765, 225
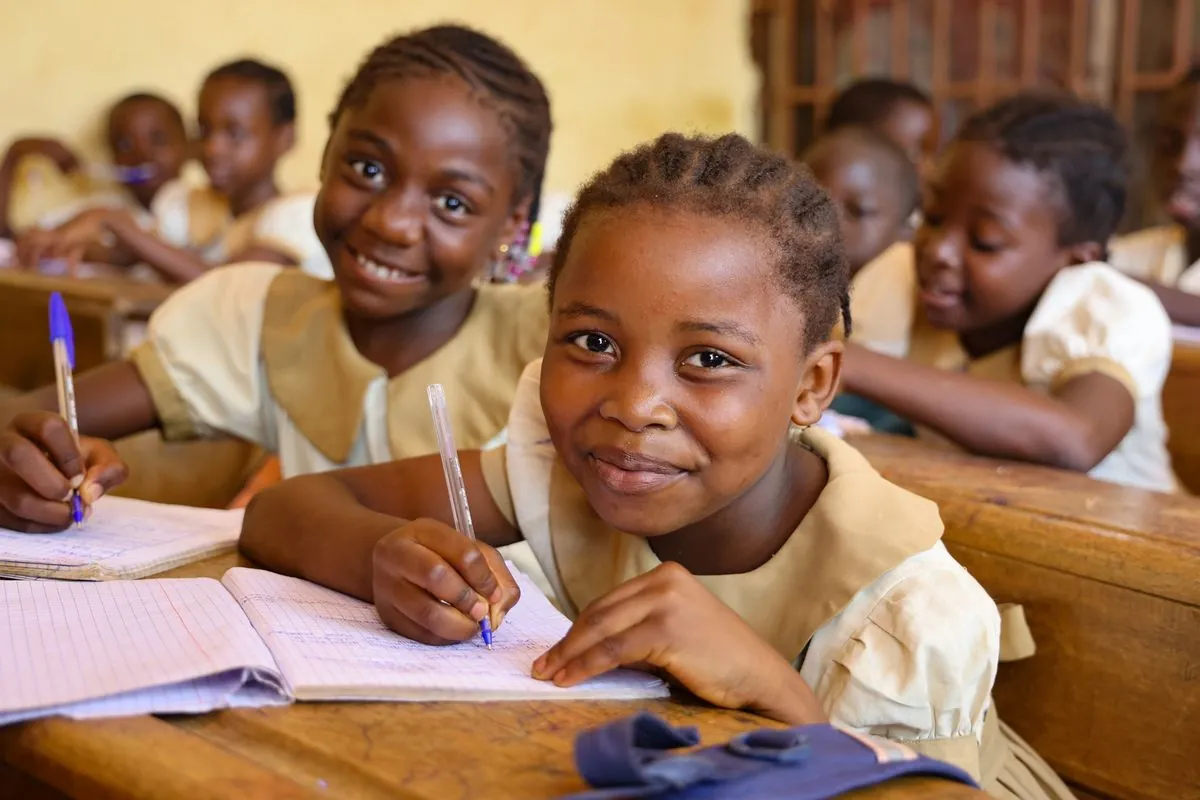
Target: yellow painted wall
618, 71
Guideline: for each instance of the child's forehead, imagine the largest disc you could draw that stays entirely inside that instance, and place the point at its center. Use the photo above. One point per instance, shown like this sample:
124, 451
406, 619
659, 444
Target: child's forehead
979, 173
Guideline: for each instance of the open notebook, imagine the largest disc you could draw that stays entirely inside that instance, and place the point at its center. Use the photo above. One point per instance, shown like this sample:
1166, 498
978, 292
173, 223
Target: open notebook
123, 539
254, 638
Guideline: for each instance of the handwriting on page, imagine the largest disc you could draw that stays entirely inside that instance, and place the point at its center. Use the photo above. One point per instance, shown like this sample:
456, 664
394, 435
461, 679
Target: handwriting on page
123, 538
67, 643
329, 646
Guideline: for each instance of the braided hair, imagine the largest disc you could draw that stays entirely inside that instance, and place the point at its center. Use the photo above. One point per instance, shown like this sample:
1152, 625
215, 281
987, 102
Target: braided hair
281, 97
493, 71
731, 178
1079, 146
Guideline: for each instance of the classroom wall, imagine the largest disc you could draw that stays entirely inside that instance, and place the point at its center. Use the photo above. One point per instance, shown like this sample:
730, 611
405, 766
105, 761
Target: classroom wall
618, 71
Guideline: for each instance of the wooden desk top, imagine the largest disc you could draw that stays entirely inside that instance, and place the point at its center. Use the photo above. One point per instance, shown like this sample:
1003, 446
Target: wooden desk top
1159, 534
124, 294
406, 751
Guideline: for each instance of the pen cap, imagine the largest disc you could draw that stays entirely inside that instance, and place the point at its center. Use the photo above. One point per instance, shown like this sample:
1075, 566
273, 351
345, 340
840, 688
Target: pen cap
60, 326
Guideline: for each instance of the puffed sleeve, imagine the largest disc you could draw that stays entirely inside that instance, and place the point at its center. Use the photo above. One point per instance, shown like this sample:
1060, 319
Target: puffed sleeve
286, 226
1094, 319
170, 211
918, 667
201, 358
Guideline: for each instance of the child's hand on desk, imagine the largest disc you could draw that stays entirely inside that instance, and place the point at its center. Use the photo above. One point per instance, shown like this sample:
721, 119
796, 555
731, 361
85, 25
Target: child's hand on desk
39, 464
70, 241
433, 584
667, 619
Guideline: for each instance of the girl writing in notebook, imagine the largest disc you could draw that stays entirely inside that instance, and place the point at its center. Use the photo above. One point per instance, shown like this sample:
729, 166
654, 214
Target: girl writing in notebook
1027, 345
661, 465
437, 146
247, 113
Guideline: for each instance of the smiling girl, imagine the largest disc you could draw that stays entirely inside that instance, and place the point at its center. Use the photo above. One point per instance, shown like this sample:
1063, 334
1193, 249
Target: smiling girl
435, 154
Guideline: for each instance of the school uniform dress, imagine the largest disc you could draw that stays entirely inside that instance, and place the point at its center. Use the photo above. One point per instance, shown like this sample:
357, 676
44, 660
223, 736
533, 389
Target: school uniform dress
1158, 255
883, 300
199, 219
115, 199
261, 352
894, 637
1090, 319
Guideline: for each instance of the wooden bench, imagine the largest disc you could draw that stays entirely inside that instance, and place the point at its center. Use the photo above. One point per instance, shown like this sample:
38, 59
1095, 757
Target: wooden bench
1110, 581
398, 751
1181, 409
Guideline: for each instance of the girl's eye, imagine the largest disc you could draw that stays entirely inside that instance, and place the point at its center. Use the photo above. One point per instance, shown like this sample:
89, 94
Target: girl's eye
369, 171
593, 343
984, 247
452, 204
708, 359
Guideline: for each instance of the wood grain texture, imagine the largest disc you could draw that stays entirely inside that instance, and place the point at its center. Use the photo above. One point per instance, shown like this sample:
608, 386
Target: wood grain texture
399, 751
1110, 581
1181, 409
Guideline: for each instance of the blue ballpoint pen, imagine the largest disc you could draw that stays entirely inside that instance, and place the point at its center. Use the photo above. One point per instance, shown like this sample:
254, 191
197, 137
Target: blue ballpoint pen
454, 482
62, 339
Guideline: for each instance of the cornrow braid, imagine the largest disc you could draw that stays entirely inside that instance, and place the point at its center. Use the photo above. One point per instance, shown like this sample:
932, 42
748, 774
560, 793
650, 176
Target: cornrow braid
730, 177
1080, 146
490, 68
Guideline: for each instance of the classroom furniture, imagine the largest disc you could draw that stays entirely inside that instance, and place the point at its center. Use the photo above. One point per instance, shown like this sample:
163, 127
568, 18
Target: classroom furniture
397, 751
1109, 578
1181, 409
105, 313
109, 316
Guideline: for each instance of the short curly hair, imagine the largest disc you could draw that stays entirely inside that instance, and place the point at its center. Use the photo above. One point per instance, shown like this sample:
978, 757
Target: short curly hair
729, 177
1079, 146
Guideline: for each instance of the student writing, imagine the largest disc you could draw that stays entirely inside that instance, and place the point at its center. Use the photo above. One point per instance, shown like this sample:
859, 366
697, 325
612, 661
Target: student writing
436, 149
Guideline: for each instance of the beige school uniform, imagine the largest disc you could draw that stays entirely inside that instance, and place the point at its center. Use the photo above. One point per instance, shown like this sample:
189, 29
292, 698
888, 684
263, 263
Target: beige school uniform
198, 219
261, 352
895, 638
1158, 255
883, 298
1091, 318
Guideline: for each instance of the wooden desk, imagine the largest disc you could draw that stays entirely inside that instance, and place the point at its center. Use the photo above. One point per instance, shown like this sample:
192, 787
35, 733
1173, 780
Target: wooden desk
102, 312
1110, 581
1181, 409
399, 751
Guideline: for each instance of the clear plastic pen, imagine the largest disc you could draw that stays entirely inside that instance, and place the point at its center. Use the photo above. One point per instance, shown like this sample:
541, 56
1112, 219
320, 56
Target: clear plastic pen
454, 482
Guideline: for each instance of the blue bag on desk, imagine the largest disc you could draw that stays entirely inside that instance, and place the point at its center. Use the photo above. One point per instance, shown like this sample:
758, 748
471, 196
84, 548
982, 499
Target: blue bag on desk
633, 758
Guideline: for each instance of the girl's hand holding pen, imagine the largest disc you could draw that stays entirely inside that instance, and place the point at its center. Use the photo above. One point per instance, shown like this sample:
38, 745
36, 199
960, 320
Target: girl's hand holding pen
434, 585
40, 465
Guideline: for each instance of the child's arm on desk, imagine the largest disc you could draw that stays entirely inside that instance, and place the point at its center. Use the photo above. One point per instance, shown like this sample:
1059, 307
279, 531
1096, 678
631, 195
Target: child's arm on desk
39, 458
1073, 428
383, 534
1182, 307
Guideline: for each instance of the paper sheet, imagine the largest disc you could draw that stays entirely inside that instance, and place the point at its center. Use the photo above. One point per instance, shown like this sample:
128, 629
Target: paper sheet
123, 539
332, 647
98, 645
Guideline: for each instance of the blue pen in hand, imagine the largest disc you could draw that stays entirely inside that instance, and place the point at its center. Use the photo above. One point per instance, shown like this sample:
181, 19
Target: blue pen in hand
454, 483
62, 339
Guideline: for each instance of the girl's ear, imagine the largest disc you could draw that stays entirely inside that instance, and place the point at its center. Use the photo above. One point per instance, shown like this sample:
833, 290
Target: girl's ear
819, 384
1085, 253
285, 139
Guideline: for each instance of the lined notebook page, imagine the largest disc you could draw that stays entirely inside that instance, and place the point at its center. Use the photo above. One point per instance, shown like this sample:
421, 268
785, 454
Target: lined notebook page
332, 647
64, 643
123, 539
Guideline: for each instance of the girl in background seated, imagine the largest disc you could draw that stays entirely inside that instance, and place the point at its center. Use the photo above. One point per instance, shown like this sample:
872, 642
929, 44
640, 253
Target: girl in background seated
1028, 346
148, 143
436, 147
247, 113
875, 189
661, 465
1168, 258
